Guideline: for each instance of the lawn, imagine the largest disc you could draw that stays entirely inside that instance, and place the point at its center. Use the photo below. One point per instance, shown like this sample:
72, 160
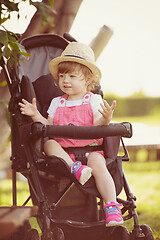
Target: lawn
144, 181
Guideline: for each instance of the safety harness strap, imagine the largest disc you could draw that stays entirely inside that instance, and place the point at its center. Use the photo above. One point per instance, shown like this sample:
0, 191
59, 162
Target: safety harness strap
80, 152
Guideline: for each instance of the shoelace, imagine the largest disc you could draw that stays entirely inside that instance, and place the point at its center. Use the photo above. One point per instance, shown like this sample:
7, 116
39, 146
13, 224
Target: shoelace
112, 210
75, 167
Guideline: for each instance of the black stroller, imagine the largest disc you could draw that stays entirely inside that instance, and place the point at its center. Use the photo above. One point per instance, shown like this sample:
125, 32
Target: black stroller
67, 210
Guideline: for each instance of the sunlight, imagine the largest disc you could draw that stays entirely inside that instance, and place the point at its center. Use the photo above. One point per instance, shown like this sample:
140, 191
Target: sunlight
130, 61
19, 25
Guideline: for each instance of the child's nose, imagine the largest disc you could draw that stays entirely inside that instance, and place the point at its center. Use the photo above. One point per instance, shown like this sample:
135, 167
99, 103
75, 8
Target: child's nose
66, 79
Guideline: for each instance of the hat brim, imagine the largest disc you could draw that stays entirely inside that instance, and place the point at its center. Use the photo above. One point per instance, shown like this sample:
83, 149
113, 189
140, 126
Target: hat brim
53, 66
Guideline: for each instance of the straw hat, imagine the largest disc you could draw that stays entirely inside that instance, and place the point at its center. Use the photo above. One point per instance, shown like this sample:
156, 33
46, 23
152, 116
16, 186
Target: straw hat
76, 52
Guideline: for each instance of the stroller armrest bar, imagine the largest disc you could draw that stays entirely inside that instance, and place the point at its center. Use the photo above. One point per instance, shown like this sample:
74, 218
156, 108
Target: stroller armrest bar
123, 129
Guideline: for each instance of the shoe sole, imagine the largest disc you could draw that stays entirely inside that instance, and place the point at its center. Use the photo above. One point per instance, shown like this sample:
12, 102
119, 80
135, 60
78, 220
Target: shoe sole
85, 175
113, 223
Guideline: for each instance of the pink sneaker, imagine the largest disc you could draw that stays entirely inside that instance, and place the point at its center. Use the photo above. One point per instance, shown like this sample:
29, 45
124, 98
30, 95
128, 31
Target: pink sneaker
113, 214
81, 172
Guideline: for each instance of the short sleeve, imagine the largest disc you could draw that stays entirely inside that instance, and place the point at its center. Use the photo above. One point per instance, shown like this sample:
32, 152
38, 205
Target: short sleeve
95, 101
53, 107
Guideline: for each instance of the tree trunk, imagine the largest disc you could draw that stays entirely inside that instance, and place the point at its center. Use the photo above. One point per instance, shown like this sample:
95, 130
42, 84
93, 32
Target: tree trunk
66, 11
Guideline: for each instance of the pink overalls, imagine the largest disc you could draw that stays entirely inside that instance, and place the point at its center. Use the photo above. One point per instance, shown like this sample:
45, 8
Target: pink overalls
80, 115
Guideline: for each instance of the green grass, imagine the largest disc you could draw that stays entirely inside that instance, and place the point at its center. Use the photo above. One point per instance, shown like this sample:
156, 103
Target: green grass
144, 181
22, 195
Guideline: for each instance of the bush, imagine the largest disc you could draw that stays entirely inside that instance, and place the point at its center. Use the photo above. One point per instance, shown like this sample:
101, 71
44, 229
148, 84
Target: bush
135, 106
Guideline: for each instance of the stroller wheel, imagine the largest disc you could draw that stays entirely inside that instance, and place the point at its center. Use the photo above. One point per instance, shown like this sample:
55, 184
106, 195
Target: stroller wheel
120, 233
58, 234
32, 235
147, 232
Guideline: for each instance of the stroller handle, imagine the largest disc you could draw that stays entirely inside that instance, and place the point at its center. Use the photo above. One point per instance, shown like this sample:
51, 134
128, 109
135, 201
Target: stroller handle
123, 129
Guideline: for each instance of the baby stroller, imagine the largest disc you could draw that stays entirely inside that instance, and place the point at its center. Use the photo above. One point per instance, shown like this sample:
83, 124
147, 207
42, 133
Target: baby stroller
67, 210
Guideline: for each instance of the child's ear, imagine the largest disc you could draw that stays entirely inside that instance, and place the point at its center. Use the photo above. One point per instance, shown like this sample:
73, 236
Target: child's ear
87, 84
88, 79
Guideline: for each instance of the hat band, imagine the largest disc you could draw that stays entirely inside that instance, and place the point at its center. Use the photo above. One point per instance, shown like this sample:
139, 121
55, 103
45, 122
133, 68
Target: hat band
74, 56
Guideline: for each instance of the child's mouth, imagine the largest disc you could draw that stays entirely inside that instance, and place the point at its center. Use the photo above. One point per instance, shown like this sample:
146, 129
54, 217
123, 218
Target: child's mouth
66, 86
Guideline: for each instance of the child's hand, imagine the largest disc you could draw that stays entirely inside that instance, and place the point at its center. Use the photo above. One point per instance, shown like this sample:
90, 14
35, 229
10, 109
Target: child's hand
29, 109
107, 111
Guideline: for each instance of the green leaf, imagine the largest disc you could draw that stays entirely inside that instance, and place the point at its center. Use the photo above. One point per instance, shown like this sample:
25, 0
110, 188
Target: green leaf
3, 83
3, 37
6, 52
12, 60
49, 8
25, 54
3, 20
11, 37
20, 48
15, 46
51, 2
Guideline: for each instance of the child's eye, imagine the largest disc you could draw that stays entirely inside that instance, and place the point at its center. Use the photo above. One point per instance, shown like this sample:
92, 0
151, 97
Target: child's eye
73, 76
60, 75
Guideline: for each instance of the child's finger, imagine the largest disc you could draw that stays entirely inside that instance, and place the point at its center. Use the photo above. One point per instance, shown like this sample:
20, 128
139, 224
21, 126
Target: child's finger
24, 101
106, 105
21, 104
22, 112
103, 108
102, 112
34, 101
113, 105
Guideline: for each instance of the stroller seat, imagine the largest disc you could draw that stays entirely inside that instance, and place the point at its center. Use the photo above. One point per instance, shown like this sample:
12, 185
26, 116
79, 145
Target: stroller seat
44, 89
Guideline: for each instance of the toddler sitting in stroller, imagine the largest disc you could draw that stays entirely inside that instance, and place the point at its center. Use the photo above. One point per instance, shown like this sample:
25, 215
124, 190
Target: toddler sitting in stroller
76, 75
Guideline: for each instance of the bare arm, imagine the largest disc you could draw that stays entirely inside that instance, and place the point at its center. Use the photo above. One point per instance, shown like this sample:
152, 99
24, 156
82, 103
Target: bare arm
30, 109
104, 116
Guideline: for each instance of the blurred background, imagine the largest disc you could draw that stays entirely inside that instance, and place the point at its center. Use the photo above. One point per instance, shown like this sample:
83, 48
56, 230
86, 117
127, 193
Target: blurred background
125, 35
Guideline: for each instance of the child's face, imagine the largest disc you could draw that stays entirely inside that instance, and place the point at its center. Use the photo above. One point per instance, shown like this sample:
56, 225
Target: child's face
73, 84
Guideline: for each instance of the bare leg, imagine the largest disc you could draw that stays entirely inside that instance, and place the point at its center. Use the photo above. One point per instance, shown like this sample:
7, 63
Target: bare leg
51, 147
82, 173
103, 179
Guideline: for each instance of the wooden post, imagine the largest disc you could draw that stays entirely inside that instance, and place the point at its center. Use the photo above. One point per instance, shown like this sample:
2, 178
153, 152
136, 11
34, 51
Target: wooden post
158, 154
11, 218
101, 40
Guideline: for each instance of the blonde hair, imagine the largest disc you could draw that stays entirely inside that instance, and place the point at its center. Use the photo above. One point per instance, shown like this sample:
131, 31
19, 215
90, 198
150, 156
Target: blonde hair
69, 67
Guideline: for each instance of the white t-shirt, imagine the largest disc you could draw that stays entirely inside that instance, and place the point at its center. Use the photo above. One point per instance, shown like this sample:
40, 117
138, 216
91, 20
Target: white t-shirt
95, 101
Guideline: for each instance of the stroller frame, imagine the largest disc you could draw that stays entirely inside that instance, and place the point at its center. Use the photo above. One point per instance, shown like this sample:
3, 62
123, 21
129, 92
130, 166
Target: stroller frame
34, 132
